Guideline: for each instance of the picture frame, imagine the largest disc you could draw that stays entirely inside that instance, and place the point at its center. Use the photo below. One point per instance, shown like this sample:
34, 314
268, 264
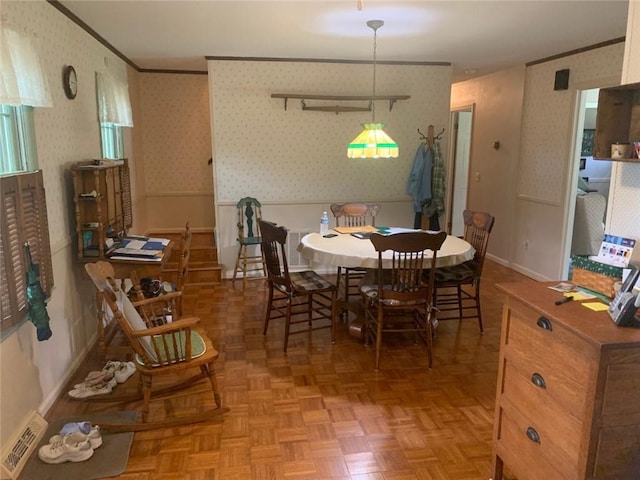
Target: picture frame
588, 135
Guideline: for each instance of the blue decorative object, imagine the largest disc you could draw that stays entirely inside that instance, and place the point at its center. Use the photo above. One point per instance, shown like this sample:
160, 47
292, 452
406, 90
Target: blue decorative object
37, 313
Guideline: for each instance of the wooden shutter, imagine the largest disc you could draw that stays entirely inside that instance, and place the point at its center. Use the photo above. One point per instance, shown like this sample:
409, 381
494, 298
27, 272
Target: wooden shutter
24, 220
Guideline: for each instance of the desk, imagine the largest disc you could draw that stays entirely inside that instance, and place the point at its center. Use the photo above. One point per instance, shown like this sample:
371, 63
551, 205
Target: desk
345, 250
348, 251
123, 269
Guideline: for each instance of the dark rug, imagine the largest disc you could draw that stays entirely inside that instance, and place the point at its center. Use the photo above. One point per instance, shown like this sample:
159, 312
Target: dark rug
108, 460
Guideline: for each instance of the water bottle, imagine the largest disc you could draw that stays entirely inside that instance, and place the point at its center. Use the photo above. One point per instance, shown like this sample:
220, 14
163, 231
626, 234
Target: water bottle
324, 224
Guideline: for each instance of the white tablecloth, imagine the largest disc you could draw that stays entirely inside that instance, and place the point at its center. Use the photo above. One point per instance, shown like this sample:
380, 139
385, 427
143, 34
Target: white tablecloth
345, 250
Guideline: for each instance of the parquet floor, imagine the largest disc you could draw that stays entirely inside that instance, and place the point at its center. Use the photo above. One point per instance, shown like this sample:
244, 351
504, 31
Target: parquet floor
321, 411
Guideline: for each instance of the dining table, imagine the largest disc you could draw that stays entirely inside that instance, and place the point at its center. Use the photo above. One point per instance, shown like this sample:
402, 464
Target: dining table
355, 250
349, 251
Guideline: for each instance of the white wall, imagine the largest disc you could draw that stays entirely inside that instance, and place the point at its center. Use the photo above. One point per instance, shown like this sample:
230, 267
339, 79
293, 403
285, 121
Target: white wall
295, 161
546, 157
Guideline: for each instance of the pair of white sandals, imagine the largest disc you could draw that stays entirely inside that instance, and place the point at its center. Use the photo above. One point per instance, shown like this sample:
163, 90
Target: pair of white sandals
103, 381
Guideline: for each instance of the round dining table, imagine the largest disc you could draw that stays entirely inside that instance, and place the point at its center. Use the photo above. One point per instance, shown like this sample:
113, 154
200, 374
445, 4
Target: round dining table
346, 250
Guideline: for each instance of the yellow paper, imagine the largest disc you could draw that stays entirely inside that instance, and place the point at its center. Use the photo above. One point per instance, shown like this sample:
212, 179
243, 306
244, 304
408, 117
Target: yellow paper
366, 228
578, 296
596, 306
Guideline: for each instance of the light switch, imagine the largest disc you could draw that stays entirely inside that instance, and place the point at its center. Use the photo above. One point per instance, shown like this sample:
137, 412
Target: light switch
476, 176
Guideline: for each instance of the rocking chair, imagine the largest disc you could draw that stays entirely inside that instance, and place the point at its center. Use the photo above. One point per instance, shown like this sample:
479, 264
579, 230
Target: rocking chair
163, 346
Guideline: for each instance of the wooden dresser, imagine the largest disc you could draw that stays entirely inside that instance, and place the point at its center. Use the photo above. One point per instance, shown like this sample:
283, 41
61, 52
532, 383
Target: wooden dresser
568, 393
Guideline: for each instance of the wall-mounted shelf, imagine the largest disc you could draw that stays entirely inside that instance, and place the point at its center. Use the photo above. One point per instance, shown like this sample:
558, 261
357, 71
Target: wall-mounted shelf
340, 98
617, 120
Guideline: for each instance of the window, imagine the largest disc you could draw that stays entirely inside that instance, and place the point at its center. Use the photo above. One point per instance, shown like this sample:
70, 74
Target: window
24, 219
111, 137
17, 139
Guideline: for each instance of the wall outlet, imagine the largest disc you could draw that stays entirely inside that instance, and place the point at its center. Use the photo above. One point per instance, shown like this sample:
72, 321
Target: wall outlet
526, 244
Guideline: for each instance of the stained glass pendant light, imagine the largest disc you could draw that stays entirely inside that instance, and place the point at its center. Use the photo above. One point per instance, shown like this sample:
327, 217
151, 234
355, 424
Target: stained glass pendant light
372, 141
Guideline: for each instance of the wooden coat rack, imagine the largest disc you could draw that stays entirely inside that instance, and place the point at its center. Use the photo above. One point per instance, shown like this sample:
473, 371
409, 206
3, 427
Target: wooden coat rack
429, 139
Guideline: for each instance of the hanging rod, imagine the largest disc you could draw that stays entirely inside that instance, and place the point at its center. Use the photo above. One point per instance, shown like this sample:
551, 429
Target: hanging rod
347, 98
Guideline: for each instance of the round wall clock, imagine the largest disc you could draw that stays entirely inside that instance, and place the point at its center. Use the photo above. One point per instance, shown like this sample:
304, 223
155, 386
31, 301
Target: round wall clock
70, 82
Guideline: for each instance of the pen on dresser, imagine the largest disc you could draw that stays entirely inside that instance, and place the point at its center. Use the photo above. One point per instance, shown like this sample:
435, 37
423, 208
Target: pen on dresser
563, 300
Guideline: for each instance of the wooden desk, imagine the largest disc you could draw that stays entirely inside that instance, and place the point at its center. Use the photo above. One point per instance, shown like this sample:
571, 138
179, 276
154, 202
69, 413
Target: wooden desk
123, 269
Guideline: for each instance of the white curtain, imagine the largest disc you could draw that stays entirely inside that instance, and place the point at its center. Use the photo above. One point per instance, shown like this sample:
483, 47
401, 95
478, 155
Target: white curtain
114, 105
22, 78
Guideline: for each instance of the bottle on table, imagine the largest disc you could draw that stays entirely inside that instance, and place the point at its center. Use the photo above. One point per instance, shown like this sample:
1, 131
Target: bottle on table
324, 224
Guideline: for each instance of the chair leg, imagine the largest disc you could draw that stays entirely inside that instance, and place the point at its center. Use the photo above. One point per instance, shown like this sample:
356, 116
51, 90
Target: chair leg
146, 395
235, 270
429, 333
287, 324
244, 268
379, 337
459, 290
479, 310
333, 316
267, 316
210, 372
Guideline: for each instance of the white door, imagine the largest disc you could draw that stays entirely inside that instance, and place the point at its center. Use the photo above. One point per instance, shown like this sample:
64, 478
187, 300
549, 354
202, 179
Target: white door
462, 121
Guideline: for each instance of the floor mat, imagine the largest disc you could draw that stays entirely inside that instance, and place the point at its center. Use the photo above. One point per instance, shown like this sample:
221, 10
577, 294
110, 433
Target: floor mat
108, 460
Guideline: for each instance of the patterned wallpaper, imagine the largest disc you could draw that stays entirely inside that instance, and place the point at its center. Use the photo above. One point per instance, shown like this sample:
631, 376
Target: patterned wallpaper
68, 132
175, 152
547, 121
275, 155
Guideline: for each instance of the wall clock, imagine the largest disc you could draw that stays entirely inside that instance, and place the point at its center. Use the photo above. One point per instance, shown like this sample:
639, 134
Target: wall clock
70, 82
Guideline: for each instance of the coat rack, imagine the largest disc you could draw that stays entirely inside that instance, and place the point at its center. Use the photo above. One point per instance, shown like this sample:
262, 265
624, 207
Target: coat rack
429, 139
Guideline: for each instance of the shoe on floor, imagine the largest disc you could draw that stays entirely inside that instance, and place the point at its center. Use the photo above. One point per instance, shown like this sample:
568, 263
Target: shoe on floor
73, 447
93, 437
125, 370
91, 390
100, 379
82, 427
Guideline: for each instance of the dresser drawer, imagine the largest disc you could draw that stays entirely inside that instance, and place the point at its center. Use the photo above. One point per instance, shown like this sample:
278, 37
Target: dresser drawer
527, 452
552, 420
544, 343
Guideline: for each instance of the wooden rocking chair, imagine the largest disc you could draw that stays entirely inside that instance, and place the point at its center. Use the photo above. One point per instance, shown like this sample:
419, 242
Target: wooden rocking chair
164, 345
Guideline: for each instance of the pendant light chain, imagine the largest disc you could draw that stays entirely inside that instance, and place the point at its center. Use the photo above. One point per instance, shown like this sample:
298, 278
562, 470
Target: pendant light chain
373, 106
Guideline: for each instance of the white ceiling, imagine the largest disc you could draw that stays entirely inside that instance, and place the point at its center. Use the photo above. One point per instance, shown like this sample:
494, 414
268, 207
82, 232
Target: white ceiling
483, 35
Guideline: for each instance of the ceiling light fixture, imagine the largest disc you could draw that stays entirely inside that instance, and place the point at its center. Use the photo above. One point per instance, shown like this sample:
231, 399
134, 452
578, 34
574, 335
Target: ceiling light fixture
372, 141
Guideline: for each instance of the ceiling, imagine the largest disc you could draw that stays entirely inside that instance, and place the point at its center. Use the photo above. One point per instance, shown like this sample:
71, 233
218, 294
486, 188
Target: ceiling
477, 37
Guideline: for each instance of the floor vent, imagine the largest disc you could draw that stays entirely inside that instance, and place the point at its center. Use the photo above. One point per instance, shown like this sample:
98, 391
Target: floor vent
18, 451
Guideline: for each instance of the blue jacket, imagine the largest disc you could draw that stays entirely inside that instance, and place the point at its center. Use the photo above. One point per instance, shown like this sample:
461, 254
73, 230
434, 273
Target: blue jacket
419, 182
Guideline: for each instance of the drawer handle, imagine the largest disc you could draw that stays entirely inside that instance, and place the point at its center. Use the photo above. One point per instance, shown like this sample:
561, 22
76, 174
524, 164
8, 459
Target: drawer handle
533, 435
538, 380
544, 323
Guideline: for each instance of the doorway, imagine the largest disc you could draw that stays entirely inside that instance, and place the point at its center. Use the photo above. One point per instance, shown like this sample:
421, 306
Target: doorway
461, 125
589, 176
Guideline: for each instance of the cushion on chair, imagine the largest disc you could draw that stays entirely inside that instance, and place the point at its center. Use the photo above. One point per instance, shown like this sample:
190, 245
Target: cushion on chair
455, 273
309, 280
250, 241
198, 347
371, 294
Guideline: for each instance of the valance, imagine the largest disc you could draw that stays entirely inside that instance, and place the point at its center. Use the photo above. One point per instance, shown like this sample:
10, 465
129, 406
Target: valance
114, 105
22, 78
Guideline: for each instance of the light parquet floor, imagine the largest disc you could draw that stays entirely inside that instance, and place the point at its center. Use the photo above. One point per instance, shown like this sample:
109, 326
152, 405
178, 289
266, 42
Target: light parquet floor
321, 411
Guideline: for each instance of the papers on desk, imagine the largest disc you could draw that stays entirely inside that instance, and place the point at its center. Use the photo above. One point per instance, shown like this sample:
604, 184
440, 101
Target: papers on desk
361, 229
140, 248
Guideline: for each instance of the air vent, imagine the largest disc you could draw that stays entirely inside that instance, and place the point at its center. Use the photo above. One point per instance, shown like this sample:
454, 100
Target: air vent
19, 450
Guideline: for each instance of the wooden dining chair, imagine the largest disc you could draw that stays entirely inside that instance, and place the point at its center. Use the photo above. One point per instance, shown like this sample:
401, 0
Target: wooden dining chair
401, 300
162, 349
457, 287
249, 258
301, 298
354, 214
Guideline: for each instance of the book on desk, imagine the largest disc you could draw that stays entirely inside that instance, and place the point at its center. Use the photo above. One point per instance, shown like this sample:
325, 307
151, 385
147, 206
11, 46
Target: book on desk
142, 249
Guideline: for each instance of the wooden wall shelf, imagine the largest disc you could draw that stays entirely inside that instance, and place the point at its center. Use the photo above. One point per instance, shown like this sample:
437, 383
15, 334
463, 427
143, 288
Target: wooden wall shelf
341, 98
